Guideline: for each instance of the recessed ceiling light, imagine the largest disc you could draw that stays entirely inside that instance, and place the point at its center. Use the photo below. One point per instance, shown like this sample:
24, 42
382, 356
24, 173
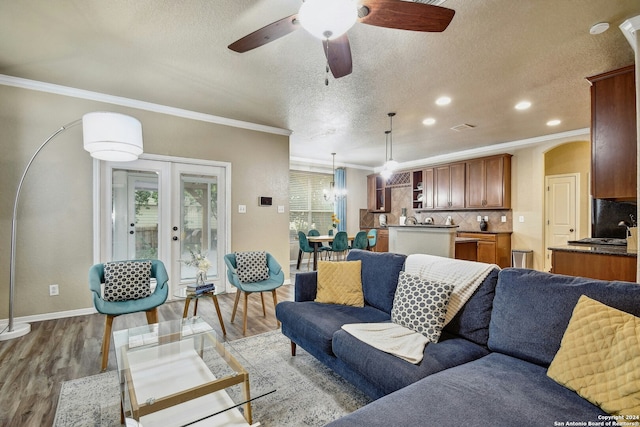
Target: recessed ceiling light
523, 105
554, 122
428, 121
443, 100
599, 28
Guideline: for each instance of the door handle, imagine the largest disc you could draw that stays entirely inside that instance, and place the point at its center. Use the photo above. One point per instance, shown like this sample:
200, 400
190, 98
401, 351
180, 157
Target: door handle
174, 238
571, 230
131, 232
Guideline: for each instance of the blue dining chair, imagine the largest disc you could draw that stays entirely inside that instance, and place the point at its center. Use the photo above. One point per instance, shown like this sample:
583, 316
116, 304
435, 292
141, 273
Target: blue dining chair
340, 244
372, 235
275, 280
321, 247
116, 308
360, 241
305, 247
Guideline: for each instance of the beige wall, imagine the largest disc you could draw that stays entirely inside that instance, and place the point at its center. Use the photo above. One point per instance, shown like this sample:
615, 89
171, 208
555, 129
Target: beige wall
574, 157
527, 197
55, 211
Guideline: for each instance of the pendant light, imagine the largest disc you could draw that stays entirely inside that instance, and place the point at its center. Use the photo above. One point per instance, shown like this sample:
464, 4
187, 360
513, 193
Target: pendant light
386, 173
390, 165
333, 194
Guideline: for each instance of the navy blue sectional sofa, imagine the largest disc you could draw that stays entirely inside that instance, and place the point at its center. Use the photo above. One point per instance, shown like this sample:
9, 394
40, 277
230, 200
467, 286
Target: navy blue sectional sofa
489, 367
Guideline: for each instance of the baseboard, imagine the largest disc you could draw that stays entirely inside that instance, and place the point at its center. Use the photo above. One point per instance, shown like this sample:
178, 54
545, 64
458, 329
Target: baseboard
49, 316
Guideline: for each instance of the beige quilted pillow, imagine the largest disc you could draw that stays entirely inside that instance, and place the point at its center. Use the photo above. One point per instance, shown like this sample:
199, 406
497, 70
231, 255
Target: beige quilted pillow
599, 357
340, 283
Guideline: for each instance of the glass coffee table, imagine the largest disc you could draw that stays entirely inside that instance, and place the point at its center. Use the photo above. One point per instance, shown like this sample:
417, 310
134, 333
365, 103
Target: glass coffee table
179, 373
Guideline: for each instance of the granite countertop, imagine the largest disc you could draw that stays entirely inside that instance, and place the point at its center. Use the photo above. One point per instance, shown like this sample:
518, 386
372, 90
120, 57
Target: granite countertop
423, 226
596, 249
485, 232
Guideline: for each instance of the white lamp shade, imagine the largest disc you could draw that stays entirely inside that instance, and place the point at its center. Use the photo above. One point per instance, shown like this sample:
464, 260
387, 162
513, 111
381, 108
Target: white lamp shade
328, 19
112, 136
391, 165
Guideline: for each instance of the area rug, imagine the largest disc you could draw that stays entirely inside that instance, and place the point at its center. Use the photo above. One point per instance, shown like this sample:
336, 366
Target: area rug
307, 393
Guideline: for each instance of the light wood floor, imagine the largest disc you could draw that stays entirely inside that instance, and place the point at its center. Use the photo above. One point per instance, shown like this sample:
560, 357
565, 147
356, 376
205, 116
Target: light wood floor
33, 367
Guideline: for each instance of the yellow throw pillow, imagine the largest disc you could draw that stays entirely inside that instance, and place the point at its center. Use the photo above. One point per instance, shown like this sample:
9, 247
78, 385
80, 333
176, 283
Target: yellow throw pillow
340, 283
599, 357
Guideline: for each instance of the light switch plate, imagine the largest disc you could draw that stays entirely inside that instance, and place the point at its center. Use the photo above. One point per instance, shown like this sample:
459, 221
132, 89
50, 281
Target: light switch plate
479, 218
280, 209
521, 218
503, 218
242, 208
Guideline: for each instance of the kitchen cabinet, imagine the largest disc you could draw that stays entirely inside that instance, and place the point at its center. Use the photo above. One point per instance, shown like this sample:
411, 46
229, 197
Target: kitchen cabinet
466, 249
422, 189
493, 248
613, 135
378, 194
448, 186
489, 182
592, 264
382, 242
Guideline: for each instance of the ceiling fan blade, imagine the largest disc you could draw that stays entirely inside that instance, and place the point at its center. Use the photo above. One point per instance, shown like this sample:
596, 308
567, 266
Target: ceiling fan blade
404, 15
267, 34
338, 53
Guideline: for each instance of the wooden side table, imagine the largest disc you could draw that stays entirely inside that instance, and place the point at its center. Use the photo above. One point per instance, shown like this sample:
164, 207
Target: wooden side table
181, 292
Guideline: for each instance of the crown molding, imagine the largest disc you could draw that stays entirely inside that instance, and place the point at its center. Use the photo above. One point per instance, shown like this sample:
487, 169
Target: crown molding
137, 104
629, 28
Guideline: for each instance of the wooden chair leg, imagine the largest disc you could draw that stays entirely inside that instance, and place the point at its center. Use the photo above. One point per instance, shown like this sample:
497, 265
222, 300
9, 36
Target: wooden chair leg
293, 348
152, 316
275, 302
235, 305
244, 315
106, 341
264, 310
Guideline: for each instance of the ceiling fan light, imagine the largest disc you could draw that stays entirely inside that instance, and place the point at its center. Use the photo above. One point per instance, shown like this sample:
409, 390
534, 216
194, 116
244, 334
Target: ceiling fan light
328, 19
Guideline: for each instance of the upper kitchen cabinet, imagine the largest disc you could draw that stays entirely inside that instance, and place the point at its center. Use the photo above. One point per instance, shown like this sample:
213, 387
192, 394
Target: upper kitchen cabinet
489, 182
613, 135
448, 186
378, 194
422, 189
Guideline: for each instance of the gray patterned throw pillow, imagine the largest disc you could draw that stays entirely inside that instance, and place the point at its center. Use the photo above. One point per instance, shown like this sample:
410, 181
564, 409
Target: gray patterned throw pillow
421, 305
127, 280
252, 267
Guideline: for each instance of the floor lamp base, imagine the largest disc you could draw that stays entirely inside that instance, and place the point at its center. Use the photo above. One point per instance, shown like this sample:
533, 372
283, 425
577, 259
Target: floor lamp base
19, 330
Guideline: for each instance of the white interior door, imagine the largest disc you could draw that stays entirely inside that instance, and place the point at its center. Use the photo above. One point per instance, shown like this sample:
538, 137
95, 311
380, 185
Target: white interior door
163, 209
562, 211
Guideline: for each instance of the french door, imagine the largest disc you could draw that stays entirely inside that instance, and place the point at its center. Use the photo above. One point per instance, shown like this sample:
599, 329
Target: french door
166, 209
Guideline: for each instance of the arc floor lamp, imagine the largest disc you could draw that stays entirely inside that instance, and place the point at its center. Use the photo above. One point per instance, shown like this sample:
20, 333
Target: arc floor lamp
107, 136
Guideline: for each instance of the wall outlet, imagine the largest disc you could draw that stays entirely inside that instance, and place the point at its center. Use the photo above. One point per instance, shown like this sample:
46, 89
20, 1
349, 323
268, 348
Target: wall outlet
521, 218
54, 290
503, 218
486, 218
242, 208
479, 218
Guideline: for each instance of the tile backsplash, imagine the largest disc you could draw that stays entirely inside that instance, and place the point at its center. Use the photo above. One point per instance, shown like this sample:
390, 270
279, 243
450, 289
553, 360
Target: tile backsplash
467, 220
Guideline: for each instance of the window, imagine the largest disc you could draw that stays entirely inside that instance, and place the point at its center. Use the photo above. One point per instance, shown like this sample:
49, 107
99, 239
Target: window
307, 207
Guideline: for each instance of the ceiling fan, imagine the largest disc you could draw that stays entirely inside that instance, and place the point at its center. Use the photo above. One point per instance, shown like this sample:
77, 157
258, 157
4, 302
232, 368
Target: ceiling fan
329, 20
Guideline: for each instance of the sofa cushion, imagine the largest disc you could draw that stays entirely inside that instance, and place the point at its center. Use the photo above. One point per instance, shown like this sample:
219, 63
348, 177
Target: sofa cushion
380, 272
599, 357
316, 322
496, 390
531, 310
472, 321
421, 305
390, 373
340, 283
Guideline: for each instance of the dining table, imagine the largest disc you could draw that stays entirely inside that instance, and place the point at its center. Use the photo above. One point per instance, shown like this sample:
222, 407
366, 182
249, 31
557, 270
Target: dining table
316, 242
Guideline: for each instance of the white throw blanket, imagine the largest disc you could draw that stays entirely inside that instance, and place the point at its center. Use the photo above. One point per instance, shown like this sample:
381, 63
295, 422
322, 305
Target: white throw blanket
466, 276
390, 338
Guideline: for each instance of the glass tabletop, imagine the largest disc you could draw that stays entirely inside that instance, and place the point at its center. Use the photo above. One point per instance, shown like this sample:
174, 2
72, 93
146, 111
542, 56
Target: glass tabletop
179, 373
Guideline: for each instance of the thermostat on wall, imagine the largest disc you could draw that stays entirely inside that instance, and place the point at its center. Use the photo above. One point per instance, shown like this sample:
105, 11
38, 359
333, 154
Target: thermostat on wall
266, 201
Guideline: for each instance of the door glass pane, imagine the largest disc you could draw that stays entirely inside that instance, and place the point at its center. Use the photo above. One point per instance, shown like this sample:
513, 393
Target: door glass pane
135, 215
199, 218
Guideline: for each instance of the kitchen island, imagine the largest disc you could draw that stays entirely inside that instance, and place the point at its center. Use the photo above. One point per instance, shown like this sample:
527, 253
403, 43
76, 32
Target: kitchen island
605, 262
423, 239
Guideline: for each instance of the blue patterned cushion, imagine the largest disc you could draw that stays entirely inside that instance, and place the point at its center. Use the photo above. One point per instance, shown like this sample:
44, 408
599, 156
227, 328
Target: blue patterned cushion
421, 305
252, 267
127, 280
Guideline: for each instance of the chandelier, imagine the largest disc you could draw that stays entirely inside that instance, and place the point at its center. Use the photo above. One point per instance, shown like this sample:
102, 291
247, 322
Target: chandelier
390, 165
334, 194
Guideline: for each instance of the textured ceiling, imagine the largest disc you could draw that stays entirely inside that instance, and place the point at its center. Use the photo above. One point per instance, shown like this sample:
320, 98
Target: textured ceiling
493, 54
